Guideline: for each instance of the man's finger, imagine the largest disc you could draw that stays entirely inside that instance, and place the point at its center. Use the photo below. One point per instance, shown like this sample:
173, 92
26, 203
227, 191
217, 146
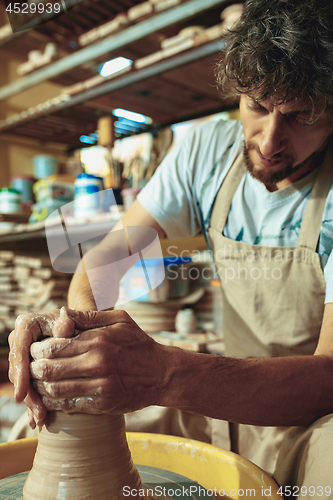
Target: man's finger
63, 327
73, 388
54, 348
34, 402
83, 365
31, 419
19, 372
26, 331
85, 320
28, 328
11, 374
73, 405
57, 348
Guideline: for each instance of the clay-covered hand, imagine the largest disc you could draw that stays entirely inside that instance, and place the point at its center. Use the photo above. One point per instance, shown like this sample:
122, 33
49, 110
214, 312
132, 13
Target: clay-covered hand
28, 329
117, 368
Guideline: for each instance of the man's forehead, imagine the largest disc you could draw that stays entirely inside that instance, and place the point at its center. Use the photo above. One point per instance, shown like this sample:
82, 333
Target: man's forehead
290, 106
293, 106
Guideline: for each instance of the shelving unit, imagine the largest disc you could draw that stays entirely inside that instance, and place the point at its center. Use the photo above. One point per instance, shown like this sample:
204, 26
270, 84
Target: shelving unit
130, 35
172, 90
178, 88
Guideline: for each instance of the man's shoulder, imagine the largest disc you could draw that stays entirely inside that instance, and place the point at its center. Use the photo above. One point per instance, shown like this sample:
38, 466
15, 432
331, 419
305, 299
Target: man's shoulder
213, 145
221, 142
226, 129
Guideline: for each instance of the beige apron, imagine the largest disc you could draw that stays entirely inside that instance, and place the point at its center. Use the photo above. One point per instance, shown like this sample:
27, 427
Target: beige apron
273, 300
276, 312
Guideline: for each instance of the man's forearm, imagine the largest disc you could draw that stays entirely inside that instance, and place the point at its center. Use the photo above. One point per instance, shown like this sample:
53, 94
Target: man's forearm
274, 391
80, 296
95, 284
85, 292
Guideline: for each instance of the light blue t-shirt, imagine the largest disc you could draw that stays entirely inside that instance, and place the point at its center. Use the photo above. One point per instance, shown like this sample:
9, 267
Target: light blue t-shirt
182, 191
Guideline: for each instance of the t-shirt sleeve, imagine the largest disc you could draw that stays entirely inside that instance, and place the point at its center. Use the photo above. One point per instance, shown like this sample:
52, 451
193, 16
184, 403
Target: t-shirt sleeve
181, 192
169, 196
328, 272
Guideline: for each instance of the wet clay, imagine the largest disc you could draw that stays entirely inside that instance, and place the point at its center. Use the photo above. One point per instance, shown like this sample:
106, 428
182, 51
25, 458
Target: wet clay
81, 457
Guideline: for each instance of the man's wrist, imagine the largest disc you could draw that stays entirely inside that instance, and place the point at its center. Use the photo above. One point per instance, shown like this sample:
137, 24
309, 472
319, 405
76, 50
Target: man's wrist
82, 305
178, 364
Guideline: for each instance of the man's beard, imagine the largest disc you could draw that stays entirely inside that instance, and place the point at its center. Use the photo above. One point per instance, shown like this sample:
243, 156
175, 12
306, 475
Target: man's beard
268, 178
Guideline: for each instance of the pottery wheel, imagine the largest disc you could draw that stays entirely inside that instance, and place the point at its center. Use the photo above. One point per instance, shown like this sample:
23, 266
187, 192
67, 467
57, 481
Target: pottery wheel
11, 488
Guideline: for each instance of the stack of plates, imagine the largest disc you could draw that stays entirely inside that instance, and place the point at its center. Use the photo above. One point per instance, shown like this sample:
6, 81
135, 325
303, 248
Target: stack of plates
158, 316
153, 317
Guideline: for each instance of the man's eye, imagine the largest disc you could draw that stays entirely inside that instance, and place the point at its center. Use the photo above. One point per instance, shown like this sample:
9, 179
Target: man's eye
303, 121
255, 106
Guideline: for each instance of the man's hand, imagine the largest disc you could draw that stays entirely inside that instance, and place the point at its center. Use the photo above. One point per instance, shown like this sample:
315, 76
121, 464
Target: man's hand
116, 368
28, 329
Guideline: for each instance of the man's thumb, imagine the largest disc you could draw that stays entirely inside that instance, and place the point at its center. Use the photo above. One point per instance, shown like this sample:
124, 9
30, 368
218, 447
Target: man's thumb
85, 320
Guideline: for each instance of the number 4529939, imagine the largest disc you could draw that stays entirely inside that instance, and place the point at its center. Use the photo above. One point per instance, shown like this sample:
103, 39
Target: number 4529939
305, 491
32, 8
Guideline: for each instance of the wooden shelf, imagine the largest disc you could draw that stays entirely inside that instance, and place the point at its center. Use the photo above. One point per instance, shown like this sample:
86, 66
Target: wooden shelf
185, 10
175, 89
144, 91
36, 230
36, 236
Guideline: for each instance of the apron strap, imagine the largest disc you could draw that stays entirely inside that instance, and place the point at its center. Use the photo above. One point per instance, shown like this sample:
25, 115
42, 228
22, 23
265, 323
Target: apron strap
314, 210
222, 203
311, 224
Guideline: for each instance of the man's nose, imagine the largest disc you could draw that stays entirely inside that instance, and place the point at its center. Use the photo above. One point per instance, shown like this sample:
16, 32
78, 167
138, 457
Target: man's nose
273, 137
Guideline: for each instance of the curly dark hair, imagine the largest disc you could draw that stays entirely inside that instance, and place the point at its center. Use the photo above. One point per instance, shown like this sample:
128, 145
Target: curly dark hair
281, 48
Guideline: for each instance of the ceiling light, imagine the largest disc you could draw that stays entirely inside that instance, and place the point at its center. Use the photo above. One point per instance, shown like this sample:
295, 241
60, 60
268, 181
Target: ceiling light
87, 140
130, 115
115, 65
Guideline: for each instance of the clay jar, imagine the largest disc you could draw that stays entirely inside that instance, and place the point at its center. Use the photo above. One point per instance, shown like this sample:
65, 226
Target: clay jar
81, 457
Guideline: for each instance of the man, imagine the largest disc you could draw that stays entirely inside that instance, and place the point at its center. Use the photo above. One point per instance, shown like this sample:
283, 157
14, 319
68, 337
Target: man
261, 192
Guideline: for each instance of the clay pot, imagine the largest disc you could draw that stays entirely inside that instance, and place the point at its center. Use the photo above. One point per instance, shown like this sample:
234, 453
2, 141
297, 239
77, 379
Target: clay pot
80, 457
231, 14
